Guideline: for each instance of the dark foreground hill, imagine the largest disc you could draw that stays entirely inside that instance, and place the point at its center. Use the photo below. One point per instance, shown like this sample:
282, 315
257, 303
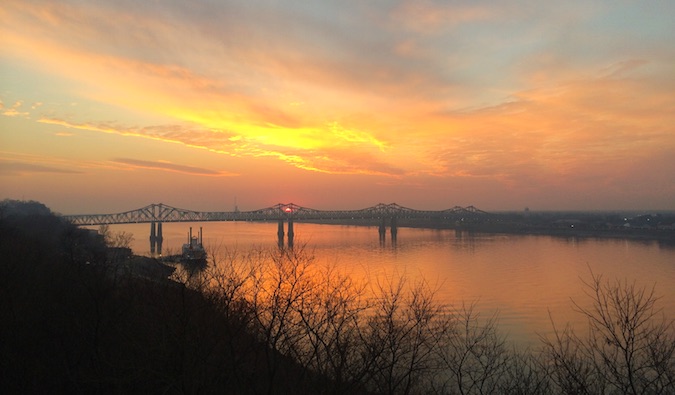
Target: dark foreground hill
72, 321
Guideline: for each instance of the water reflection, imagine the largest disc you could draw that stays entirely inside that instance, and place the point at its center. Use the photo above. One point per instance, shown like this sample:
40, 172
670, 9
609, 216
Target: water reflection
465, 241
523, 277
667, 244
195, 265
392, 242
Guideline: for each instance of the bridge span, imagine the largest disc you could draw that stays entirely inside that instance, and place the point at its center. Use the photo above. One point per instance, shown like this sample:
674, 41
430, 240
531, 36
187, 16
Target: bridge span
156, 214
165, 213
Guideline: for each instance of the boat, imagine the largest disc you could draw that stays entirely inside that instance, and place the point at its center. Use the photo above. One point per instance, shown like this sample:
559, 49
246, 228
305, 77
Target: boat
193, 250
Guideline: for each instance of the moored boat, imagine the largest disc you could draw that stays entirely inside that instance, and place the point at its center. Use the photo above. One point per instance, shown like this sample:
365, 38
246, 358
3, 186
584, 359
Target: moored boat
194, 250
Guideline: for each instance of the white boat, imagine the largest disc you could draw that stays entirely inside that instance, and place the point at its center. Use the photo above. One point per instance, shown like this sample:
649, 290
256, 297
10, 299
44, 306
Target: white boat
193, 250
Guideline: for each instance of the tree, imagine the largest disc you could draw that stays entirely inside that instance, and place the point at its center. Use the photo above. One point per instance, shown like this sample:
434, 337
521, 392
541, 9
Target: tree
281, 281
402, 337
473, 353
332, 316
525, 374
570, 370
630, 347
116, 239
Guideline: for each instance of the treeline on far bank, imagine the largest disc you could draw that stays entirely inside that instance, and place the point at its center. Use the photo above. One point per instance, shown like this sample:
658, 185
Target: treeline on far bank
77, 319
658, 226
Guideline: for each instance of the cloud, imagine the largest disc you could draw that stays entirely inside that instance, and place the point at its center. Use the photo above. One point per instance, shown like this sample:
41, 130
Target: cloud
14, 110
343, 156
41, 163
582, 133
523, 97
172, 167
216, 141
428, 16
346, 161
18, 168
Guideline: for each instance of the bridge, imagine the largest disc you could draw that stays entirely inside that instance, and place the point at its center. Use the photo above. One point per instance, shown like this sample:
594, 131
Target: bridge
156, 214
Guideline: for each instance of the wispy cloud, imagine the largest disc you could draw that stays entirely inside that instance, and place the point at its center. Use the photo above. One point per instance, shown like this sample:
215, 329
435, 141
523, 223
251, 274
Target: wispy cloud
338, 159
584, 132
12, 168
216, 141
431, 17
15, 110
172, 167
64, 165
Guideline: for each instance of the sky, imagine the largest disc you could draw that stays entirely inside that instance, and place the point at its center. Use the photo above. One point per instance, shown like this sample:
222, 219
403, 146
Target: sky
108, 106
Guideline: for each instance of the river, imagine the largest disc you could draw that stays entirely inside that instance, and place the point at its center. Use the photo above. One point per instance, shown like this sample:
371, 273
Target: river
527, 280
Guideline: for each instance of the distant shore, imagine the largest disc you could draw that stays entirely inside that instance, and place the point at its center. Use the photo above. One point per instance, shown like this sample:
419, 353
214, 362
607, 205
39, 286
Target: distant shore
567, 230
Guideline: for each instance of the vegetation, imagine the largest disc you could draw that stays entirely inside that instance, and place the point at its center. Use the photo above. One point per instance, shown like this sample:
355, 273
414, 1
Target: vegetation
77, 319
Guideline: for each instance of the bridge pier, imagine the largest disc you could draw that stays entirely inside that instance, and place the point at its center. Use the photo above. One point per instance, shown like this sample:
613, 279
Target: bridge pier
394, 228
291, 234
156, 237
160, 238
153, 238
382, 229
281, 234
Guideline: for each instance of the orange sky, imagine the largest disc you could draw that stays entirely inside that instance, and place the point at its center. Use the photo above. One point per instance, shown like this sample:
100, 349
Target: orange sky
110, 106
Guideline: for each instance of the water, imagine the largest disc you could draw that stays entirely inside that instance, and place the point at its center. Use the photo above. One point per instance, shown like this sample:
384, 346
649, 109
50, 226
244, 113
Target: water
527, 280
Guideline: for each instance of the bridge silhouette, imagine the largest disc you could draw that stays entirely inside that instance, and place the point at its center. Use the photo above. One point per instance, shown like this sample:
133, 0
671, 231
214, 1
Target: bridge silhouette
156, 214
165, 213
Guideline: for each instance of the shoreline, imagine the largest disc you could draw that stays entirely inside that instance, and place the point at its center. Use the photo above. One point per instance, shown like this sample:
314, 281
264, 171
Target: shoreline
666, 236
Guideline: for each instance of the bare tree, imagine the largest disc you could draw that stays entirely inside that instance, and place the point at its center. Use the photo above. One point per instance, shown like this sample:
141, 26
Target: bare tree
332, 316
402, 337
279, 285
474, 354
630, 347
525, 374
567, 363
120, 239
228, 275
631, 344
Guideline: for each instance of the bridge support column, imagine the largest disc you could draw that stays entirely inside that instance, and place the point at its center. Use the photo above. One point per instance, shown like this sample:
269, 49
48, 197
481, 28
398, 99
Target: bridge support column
153, 238
382, 230
156, 238
291, 234
394, 228
280, 233
160, 238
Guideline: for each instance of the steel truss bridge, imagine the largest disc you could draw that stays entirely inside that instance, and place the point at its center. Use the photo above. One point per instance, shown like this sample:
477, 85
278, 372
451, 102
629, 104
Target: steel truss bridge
279, 212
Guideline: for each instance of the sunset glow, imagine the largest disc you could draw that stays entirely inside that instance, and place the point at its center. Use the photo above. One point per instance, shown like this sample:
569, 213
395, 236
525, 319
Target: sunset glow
110, 106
